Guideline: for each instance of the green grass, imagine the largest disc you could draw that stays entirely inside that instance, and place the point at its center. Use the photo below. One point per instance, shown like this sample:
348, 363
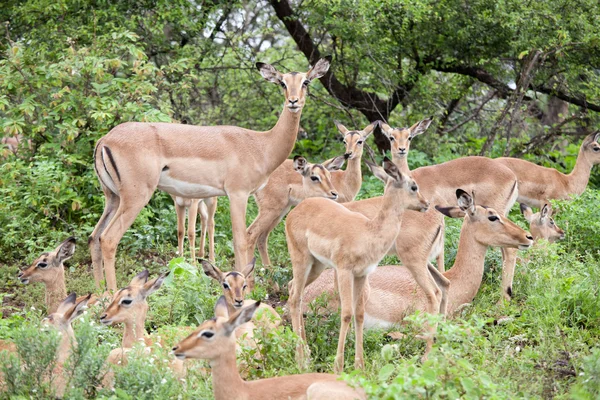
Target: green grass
544, 344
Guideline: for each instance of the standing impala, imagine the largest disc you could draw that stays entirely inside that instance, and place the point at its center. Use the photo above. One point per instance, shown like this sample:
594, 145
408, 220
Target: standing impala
538, 185
322, 233
392, 292
134, 159
206, 208
292, 182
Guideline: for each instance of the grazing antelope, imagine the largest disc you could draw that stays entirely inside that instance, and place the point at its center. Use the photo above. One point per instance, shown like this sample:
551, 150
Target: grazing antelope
538, 185
393, 293
213, 341
69, 309
134, 159
541, 224
206, 208
235, 290
49, 269
322, 233
495, 185
292, 182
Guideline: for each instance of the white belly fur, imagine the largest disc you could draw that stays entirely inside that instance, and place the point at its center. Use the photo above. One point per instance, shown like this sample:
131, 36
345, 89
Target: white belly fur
375, 323
187, 189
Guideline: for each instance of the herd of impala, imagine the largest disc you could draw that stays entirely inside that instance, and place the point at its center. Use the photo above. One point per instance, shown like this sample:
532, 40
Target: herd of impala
327, 228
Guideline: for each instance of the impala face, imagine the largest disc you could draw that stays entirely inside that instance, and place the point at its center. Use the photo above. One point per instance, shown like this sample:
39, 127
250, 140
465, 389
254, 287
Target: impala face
355, 140
49, 266
316, 179
233, 283
67, 311
294, 84
592, 147
129, 302
400, 138
542, 224
405, 187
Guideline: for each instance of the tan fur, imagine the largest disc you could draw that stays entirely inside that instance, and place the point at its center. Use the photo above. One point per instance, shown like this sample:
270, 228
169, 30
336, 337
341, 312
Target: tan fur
541, 224
493, 185
134, 159
321, 233
13, 143
287, 186
538, 185
219, 350
393, 292
206, 208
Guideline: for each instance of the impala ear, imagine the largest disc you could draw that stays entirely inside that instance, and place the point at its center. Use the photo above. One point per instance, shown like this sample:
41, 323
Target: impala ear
320, 69
212, 271
370, 129
66, 304
269, 72
420, 127
78, 309
301, 165
465, 201
249, 268
240, 317
526, 211
392, 170
221, 308
153, 285
452, 212
66, 249
386, 129
140, 278
377, 171
545, 212
334, 164
343, 130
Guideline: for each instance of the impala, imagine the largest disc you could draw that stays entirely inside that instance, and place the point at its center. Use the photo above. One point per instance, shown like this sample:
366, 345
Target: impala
206, 208
213, 341
541, 224
322, 233
292, 182
134, 159
393, 293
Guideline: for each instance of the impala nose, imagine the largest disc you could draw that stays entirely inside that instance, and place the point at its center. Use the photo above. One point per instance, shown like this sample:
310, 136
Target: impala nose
20, 274
334, 195
175, 348
403, 150
529, 237
103, 317
293, 101
347, 155
238, 303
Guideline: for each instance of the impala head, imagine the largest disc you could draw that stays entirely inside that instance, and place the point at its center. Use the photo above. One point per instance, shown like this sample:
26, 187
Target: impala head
49, 265
316, 178
400, 138
355, 140
591, 147
233, 282
492, 228
214, 337
130, 301
541, 224
294, 84
67, 311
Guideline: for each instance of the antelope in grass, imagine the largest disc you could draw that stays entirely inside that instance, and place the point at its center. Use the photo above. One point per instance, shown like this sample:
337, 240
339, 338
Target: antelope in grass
322, 233
393, 293
496, 186
213, 341
49, 269
206, 208
538, 185
134, 159
541, 224
292, 182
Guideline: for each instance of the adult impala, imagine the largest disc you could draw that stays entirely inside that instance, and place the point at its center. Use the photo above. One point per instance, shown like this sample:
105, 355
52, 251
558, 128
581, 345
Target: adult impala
134, 159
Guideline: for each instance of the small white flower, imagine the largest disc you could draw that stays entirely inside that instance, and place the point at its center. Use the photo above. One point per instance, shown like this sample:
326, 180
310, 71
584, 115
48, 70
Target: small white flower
32, 308
163, 381
267, 296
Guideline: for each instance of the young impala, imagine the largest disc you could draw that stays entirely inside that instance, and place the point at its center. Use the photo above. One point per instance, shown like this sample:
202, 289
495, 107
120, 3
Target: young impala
322, 233
213, 341
392, 292
134, 159
541, 224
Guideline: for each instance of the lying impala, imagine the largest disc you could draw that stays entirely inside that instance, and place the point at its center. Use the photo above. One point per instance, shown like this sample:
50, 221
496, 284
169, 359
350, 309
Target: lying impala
49, 269
322, 233
206, 208
393, 293
538, 185
292, 182
134, 159
541, 224
213, 341
495, 185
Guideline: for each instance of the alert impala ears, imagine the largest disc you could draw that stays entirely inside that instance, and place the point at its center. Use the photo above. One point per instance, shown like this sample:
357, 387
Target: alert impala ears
240, 318
320, 68
269, 72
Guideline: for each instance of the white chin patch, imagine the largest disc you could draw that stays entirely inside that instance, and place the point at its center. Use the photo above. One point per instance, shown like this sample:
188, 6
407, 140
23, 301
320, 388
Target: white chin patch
25, 281
180, 356
294, 110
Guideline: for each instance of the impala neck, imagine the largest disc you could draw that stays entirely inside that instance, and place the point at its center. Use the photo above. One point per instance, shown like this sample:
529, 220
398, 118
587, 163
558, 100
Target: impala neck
134, 329
352, 178
281, 139
227, 382
402, 164
579, 177
467, 272
390, 214
66, 341
56, 291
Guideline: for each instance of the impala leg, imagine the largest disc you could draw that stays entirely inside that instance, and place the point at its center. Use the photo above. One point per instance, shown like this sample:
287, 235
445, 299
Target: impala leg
359, 299
211, 207
191, 230
443, 284
509, 260
440, 258
180, 211
261, 227
432, 292
110, 209
126, 213
345, 287
203, 212
238, 203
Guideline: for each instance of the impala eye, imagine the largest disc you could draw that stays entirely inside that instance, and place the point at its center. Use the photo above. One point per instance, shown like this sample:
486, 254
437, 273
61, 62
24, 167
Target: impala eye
244, 287
596, 148
305, 83
359, 142
493, 218
409, 138
282, 83
414, 188
392, 139
225, 286
207, 334
42, 265
126, 302
552, 222
315, 178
